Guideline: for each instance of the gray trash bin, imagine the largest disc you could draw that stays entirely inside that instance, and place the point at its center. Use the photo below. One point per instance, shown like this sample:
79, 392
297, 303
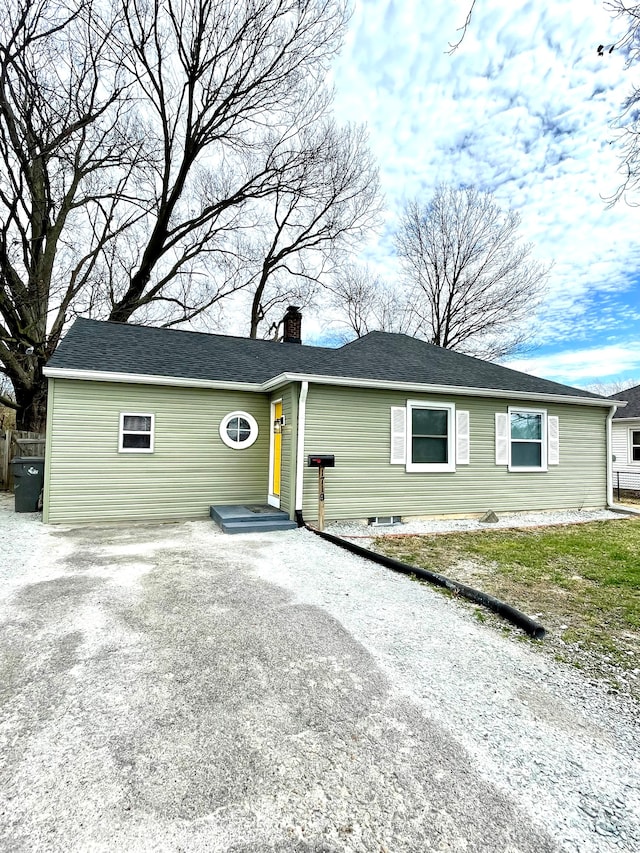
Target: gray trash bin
28, 479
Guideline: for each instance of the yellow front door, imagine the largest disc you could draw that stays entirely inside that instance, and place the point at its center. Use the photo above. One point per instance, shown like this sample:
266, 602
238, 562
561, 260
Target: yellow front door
277, 449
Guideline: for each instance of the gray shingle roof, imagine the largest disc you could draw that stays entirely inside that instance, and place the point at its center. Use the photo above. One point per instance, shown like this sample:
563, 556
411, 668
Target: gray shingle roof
632, 409
122, 348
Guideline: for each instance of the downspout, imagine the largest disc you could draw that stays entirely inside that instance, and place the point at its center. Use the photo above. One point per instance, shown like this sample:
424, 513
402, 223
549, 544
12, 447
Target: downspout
46, 500
612, 412
302, 415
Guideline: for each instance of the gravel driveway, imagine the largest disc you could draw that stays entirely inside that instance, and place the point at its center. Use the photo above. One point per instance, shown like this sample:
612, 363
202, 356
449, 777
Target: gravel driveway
170, 688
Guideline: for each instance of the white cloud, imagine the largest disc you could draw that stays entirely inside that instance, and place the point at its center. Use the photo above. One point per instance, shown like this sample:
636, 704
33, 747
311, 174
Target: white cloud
523, 109
583, 366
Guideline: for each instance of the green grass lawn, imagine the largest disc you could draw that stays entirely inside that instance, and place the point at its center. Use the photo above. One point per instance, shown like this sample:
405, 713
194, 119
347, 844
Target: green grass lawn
581, 581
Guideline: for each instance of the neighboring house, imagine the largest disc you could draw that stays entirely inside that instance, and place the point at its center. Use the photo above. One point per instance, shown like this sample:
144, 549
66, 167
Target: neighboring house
625, 440
148, 423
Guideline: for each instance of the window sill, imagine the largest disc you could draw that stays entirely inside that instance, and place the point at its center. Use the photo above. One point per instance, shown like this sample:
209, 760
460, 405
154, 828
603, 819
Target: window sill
423, 468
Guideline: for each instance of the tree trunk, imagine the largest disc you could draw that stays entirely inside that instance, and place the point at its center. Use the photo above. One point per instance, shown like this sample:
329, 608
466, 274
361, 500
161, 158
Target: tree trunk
256, 304
32, 404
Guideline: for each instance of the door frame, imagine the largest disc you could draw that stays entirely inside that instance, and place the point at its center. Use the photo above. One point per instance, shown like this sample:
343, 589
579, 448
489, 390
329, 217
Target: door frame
273, 500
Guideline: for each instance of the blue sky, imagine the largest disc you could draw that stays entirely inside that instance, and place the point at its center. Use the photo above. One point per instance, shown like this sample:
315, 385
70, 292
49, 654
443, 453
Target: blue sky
523, 109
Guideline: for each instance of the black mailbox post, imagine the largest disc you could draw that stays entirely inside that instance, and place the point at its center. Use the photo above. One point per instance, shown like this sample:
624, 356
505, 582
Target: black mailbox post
321, 461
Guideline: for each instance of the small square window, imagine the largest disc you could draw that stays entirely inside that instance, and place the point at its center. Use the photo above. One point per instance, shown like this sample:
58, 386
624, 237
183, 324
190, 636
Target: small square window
136, 433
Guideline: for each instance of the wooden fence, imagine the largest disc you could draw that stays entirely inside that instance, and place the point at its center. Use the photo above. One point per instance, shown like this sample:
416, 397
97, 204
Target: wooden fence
17, 443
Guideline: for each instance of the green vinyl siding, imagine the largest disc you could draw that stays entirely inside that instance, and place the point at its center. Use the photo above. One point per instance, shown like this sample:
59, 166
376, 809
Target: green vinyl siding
190, 468
354, 424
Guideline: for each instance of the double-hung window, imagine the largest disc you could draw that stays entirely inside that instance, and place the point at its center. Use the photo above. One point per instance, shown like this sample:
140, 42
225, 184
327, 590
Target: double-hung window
634, 445
136, 433
527, 440
431, 436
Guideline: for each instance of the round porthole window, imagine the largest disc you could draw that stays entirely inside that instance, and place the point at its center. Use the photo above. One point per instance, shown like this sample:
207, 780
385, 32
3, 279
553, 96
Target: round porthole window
238, 430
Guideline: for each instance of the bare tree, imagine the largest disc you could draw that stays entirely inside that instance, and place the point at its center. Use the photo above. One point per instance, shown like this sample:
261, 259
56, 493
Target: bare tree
67, 152
473, 283
133, 181
324, 201
453, 46
7, 413
615, 386
365, 303
226, 85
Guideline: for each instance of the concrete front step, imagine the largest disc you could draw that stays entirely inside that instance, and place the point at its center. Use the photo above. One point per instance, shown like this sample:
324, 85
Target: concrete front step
250, 518
257, 526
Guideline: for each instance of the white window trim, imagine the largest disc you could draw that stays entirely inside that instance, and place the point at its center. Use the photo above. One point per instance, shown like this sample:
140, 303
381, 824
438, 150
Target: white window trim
632, 461
274, 500
122, 431
239, 445
543, 439
433, 467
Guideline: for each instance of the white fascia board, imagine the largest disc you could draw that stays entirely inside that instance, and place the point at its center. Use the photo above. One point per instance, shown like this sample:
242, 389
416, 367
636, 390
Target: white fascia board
148, 379
285, 378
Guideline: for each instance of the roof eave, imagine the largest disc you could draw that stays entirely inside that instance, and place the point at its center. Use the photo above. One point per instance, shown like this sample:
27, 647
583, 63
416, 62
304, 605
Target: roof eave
149, 379
319, 379
285, 378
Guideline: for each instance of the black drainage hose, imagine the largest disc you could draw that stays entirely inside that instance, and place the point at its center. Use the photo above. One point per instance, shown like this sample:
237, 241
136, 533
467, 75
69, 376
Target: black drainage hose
517, 617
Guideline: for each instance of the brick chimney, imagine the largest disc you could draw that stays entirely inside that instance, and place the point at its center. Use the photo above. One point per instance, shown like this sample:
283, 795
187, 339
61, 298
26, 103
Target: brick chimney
292, 322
